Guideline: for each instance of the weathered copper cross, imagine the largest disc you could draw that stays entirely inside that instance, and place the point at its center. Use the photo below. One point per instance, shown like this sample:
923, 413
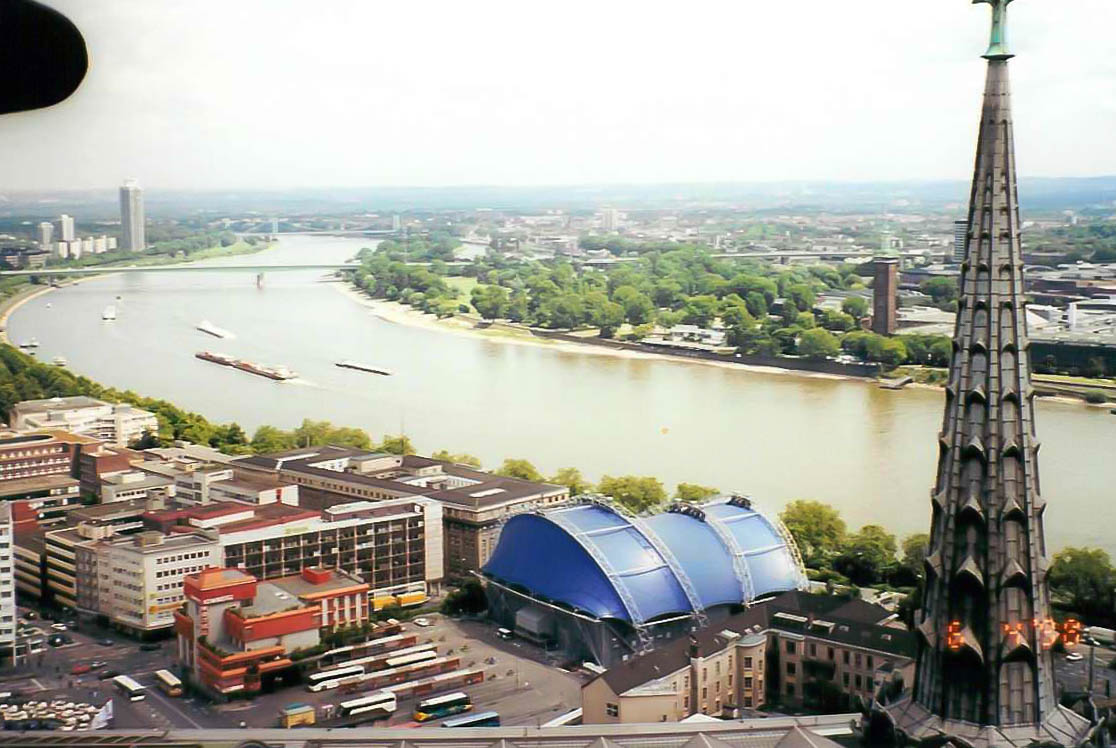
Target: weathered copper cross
997, 47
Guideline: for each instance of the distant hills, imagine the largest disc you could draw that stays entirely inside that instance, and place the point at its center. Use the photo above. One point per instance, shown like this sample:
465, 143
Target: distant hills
1096, 195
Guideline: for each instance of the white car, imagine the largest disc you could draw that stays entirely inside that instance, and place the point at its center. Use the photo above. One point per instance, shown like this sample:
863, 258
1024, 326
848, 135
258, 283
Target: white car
58, 626
422, 622
1075, 657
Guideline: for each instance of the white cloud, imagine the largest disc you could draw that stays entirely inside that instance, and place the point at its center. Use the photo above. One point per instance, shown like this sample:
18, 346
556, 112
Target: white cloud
280, 93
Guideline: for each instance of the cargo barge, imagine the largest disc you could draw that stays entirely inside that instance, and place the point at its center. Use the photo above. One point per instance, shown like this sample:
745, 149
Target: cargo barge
363, 367
278, 373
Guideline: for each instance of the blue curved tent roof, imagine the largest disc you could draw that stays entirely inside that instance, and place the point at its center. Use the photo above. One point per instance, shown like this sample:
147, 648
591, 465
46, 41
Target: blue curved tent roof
608, 565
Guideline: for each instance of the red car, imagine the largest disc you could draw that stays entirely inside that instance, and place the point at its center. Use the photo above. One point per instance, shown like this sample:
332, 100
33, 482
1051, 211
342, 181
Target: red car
80, 669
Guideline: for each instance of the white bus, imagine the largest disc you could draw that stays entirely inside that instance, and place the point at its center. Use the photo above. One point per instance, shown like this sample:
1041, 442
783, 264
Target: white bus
131, 688
411, 659
168, 682
376, 706
384, 657
328, 676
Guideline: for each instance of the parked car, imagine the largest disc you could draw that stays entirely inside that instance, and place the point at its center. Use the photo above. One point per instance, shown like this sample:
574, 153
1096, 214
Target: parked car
57, 640
106, 674
106, 642
30, 615
80, 669
150, 647
97, 664
58, 626
1075, 657
422, 622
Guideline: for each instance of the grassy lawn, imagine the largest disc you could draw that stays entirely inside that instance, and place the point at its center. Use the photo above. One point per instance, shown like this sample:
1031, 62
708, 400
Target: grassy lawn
464, 286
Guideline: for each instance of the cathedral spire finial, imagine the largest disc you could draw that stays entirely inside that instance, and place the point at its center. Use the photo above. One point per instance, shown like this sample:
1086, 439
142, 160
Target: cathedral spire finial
997, 46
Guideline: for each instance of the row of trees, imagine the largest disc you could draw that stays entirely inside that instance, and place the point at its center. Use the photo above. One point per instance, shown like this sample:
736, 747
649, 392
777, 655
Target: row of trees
1082, 580
871, 555
764, 309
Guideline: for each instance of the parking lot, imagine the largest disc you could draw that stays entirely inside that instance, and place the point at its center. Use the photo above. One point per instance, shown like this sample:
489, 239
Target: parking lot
521, 683
1073, 676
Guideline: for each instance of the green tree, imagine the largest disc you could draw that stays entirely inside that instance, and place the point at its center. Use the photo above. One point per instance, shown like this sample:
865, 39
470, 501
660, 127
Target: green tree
802, 296
571, 478
867, 556
638, 307
855, 306
818, 344
468, 600
941, 290
817, 528
604, 314
459, 459
700, 310
915, 549
491, 302
1086, 578
396, 445
634, 493
694, 492
518, 468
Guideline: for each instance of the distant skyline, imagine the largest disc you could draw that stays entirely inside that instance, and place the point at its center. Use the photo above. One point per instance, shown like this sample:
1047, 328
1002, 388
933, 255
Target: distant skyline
276, 94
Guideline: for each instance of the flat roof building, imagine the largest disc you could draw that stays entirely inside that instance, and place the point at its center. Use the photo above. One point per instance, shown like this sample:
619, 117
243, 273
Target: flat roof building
474, 503
118, 424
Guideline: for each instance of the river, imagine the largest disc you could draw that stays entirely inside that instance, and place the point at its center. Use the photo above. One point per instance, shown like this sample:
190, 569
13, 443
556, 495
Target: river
868, 451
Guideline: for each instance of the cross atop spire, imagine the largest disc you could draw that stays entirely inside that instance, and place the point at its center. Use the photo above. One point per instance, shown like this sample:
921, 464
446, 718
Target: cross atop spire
997, 46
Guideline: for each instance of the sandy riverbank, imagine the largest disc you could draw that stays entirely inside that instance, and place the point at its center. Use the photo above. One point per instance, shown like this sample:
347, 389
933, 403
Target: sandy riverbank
9, 305
396, 313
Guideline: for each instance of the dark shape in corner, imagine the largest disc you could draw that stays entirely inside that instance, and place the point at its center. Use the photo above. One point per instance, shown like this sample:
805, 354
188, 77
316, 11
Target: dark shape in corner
42, 56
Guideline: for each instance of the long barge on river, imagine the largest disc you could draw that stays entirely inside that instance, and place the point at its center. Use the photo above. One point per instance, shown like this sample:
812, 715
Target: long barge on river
347, 364
278, 373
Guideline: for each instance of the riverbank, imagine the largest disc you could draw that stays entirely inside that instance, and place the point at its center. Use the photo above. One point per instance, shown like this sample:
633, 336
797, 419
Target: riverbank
9, 305
397, 313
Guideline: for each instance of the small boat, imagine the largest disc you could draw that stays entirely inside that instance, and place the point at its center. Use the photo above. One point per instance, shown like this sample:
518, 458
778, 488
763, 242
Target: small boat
109, 313
48, 305
60, 361
347, 364
211, 329
118, 298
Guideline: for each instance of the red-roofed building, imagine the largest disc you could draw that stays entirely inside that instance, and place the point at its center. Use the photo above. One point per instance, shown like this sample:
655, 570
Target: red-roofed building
236, 633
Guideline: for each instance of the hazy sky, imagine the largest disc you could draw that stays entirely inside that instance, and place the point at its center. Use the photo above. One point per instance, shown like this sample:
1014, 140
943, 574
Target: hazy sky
289, 93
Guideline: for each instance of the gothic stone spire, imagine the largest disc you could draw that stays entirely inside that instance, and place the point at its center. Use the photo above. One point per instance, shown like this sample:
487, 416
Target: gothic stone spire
984, 671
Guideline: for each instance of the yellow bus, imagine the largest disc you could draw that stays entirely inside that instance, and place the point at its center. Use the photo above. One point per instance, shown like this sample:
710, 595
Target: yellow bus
168, 682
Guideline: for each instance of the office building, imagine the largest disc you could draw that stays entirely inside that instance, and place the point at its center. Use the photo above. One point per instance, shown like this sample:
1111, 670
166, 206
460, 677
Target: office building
46, 452
45, 499
118, 424
796, 651
45, 235
885, 294
344, 601
131, 217
8, 617
65, 228
134, 582
985, 666
960, 240
610, 219
474, 503
393, 546
236, 635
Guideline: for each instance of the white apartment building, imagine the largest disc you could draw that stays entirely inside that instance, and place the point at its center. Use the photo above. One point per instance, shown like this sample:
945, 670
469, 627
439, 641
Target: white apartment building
7, 581
130, 485
114, 423
135, 581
